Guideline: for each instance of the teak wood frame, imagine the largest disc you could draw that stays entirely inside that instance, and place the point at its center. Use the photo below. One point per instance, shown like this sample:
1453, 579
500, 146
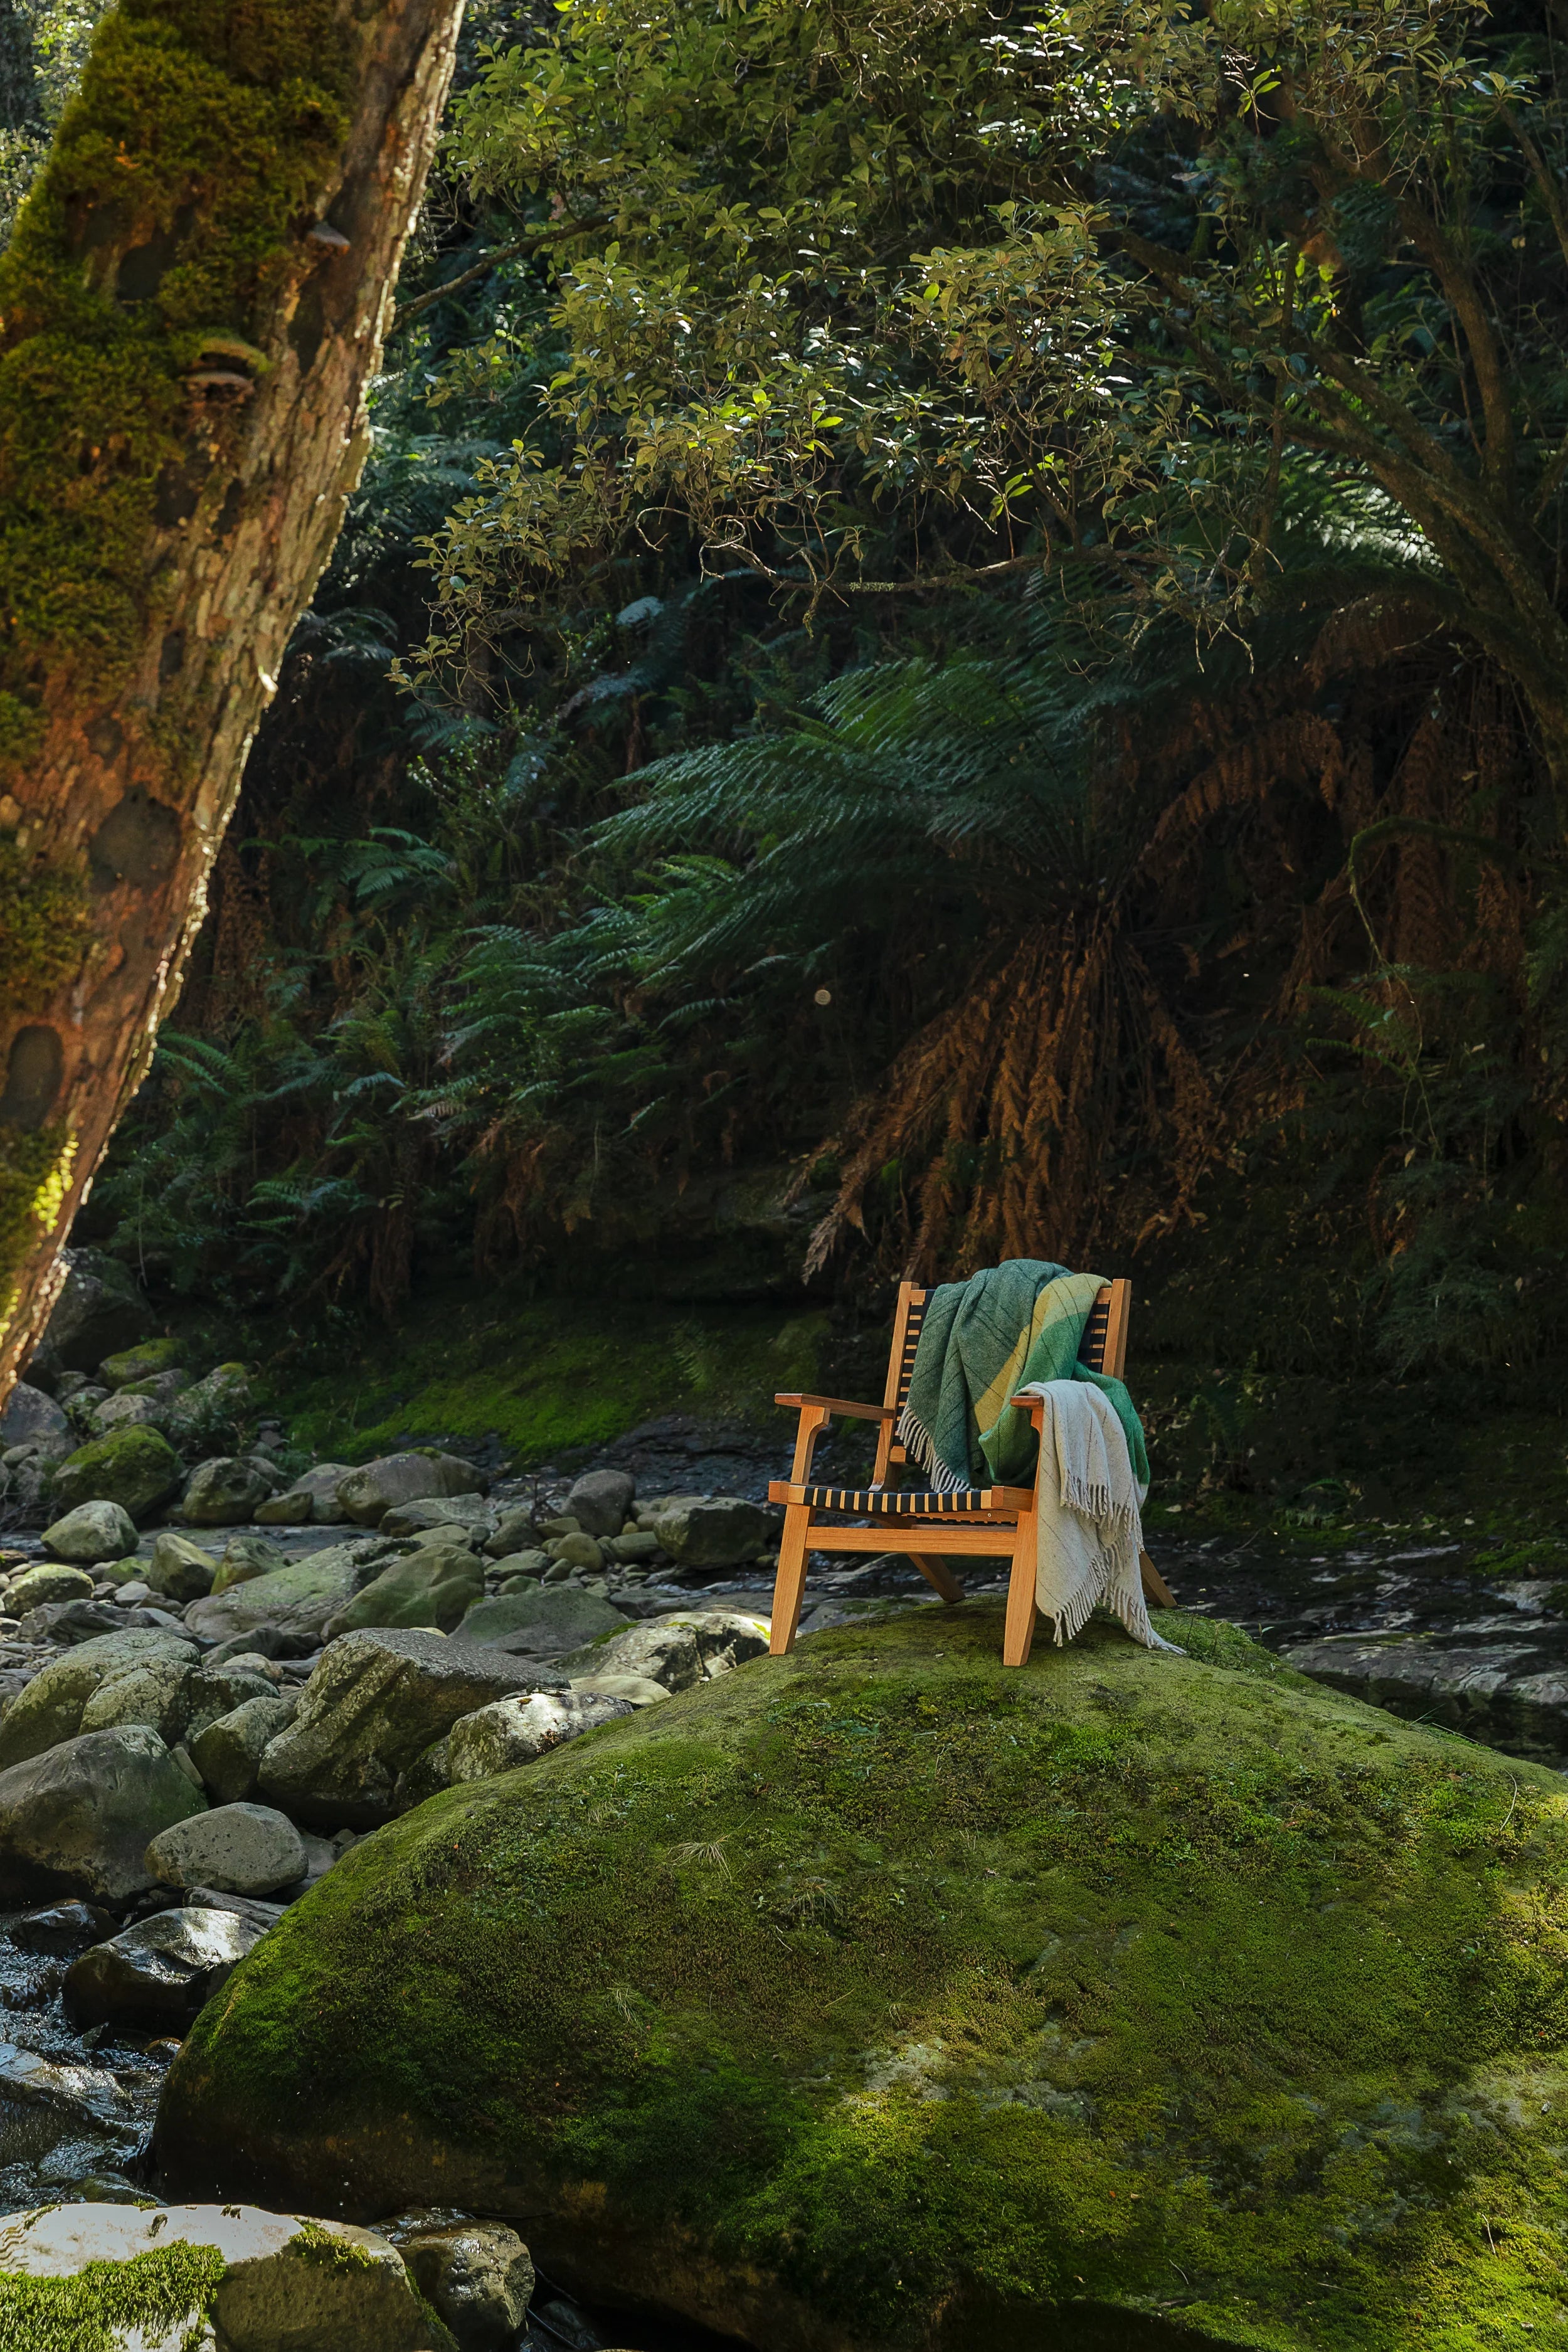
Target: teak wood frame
1003, 1520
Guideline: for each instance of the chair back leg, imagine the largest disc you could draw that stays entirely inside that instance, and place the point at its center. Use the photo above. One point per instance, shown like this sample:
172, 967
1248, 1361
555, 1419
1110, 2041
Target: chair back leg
937, 1573
789, 1585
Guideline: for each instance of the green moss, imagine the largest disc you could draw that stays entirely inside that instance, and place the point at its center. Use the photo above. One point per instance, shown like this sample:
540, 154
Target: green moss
43, 925
164, 223
949, 2005
99, 2309
546, 1375
136, 1467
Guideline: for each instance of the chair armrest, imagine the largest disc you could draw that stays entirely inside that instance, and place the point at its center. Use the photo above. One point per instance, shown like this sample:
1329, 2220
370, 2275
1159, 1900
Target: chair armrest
1033, 1405
837, 1404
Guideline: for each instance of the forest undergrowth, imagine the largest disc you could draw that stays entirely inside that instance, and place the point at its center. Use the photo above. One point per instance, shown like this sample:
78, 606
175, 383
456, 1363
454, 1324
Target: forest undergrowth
926, 644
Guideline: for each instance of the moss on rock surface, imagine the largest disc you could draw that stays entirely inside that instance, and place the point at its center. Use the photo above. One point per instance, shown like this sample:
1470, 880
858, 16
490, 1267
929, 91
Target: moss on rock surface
878, 1996
136, 1467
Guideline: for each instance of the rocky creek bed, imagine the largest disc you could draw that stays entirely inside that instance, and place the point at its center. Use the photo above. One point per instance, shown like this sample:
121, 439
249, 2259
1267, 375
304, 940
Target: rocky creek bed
214, 1689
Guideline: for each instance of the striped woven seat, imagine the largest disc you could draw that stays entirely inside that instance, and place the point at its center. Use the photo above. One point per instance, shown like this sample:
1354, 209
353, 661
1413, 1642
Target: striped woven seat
912, 1504
985, 1521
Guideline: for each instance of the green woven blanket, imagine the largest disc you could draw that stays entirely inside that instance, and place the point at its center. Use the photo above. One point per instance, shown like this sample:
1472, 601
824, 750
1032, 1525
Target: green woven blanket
983, 1340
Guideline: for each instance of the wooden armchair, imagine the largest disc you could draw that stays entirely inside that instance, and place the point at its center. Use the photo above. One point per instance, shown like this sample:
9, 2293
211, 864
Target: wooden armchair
996, 1521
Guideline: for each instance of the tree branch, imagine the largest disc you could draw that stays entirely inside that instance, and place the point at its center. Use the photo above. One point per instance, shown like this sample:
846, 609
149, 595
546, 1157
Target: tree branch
492, 260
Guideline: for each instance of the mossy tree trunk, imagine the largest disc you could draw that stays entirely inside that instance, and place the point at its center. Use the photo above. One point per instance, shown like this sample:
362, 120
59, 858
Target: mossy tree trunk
190, 310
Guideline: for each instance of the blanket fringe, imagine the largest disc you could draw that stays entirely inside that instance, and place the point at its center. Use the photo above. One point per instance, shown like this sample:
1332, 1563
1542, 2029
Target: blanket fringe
916, 1439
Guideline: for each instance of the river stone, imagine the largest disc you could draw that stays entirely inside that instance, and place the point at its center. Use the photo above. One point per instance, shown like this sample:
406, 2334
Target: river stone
76, 1821
227, 1753
579, 1551
311, 1498
244, 1556
500, 1616
601, 1500
36, 1587
717, 1533
154, 1692
137, 1468
634, 1688
49, 1709
223, 1493
143, 1362
513, 1731
179, 1568
61, 1930
381, 1486
477, 2274
514, 1532
296, 1600
1501, 1689
378, 1698
282, 2285
998, 1919
551, 1619
127, 1412
154, 1976
99, 1308
686, 1647
439, 1511
78, 2115
430, 1588
93, 1531
240, 1849
30, 1413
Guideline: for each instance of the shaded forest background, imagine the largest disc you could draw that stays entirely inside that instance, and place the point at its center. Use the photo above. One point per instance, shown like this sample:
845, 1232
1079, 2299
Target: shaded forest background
885, 700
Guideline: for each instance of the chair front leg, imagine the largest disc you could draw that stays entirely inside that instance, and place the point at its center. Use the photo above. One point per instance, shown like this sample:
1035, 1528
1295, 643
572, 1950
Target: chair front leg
1018, 1631
789, 1585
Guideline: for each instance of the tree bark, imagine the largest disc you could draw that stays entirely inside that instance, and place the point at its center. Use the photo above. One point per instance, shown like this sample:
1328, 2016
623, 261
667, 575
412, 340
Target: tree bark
191, 309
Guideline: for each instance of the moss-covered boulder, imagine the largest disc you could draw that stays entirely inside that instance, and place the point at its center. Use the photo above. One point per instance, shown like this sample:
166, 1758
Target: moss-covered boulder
137, 1468
143, 1362
880, 1997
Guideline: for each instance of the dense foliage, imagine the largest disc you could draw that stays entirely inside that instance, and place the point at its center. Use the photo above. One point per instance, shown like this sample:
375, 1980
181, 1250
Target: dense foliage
976, 608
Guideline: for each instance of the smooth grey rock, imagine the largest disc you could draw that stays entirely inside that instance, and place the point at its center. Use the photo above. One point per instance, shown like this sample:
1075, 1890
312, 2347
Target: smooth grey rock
297, 1600
288, 2286
180, 1569
439, 1511
242, 1849
367, 1494
29, 1413
93, 1531
221, 1492
514, 1531
127, 1411
579, 1551
477, 2275
62, 1930
688, 1646
430, 1587
641, 1544
378, 1698
502, 1615
531, 1564
36, 1587
49, 1709
312, 1498
244, 1556
513, 1731
157, 1974
721, 1533
77, 1820
601, 1499
554, 1618
45, 2105
227, 1753
99, 1309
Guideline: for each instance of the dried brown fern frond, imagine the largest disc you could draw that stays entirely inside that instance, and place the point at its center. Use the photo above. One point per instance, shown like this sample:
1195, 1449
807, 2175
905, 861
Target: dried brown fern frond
1368, 634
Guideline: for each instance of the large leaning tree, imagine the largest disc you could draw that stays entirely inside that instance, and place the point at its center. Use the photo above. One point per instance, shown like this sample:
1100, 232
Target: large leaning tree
190, 308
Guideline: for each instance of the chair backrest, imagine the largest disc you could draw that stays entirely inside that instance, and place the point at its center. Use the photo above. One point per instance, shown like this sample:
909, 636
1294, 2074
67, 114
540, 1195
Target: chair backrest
1103, 1347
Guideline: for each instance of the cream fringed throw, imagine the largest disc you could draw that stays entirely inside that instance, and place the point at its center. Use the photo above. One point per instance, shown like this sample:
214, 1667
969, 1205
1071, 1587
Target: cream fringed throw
1090, 1531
